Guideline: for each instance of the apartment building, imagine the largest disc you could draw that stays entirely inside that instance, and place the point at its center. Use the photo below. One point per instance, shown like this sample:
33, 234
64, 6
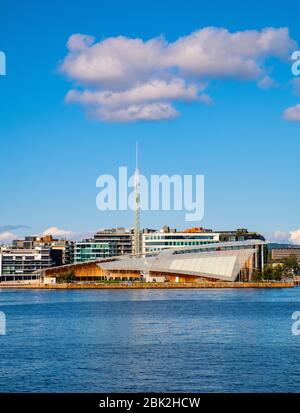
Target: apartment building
23, 264
120, 239
91, 250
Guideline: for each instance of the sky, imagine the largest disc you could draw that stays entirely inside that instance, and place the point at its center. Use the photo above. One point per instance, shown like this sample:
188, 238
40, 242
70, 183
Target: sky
204, 87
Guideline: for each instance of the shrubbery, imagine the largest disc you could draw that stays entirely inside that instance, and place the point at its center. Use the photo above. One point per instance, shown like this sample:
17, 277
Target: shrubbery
67, 277
288, 267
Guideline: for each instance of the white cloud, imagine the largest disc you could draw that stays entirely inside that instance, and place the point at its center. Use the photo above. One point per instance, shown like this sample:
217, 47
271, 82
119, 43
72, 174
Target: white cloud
153, 111
63, 233
215, 52
56, 232
79, 42
7, 236
292, 114
278, 236
126, 79
155, 90
267, 83
292, 237
295, 237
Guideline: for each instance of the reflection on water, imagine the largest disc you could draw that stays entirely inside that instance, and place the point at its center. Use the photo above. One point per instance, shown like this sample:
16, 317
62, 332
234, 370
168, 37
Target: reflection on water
228, 340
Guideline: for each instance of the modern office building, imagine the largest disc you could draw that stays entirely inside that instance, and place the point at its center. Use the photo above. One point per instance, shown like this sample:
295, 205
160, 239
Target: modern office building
166, 238
120, 239
91, 250
279, 252
27, 243
62, 251
158, 241
241, 234
23, 264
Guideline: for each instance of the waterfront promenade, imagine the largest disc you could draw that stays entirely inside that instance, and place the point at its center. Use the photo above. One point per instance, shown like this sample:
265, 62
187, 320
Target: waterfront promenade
152, 285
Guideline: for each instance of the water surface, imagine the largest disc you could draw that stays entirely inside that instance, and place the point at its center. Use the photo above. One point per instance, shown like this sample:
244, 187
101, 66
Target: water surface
222, 340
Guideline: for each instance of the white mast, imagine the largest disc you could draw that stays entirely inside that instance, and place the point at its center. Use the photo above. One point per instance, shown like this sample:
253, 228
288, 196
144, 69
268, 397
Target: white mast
137, 232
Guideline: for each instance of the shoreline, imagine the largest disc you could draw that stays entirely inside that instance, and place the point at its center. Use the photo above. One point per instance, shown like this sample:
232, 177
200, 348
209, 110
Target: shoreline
142, 286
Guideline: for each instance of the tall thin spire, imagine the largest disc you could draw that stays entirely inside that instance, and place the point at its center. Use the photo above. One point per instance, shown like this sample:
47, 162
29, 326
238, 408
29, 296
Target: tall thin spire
137, 231
136, 156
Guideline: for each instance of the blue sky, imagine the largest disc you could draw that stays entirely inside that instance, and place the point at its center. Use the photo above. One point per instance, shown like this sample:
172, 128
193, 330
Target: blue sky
52, 152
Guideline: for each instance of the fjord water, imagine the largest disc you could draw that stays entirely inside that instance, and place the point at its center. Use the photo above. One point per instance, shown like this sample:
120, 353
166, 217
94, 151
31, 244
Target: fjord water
222, 340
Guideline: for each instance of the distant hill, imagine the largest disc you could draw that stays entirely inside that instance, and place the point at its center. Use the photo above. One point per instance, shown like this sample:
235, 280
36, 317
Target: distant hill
273, 246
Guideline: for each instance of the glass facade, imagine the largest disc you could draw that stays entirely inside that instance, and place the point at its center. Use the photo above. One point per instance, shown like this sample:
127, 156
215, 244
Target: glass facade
157, 242
91, 251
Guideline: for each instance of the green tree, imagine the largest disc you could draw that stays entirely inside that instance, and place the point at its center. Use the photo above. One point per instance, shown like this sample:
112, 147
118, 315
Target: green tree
290, 265
269, 274
67, 277
257, 275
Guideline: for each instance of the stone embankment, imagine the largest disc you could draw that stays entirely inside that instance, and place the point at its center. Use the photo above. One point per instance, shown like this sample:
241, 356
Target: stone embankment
144, 285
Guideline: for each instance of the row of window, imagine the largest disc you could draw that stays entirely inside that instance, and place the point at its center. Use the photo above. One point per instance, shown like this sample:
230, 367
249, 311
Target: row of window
164, 237
177, 243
